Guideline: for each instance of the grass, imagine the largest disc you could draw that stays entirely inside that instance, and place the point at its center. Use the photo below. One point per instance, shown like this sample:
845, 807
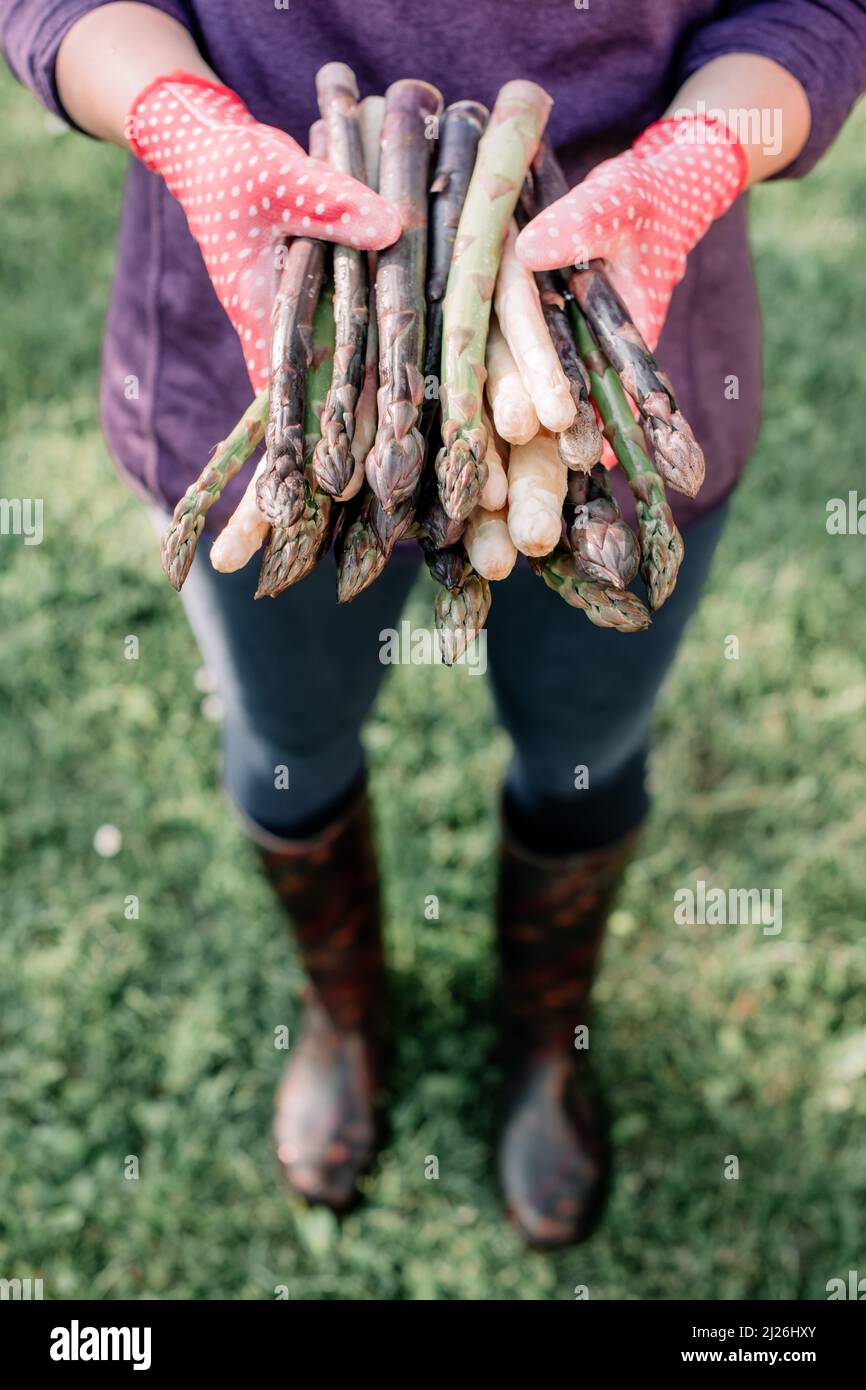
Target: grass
151, 1038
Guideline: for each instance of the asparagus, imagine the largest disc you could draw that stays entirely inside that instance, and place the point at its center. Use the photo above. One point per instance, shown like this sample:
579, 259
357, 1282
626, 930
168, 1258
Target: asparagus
603, 544
334, 463
445, 563
580, 446
442, 529
187, 524
364, 545
460, 614
395, 461
604, 606
678, 456
292, 551
280, 486
504, 153
366, 413
661, 544
360, 559
459, 132
371, 114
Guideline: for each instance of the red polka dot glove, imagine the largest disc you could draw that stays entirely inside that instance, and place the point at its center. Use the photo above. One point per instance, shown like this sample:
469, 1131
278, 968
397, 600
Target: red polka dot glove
242, 185
642, 213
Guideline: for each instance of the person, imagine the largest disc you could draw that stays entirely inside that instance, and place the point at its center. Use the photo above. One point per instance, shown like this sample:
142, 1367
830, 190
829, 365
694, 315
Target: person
663, 116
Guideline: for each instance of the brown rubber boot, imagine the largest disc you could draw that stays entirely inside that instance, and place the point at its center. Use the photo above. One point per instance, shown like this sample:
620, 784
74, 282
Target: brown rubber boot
325, 1123
551, 915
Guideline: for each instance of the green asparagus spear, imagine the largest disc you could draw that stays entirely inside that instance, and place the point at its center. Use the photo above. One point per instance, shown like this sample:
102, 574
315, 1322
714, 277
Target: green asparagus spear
334, 463
460, 614
678, 456
292, 551
395, 461
603, 605
187, 524
504, 153
280, 488
660, 542
445, 563
602, 542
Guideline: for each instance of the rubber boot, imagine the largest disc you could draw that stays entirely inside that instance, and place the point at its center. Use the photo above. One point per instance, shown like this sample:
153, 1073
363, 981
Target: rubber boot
553, 1157
325, 1122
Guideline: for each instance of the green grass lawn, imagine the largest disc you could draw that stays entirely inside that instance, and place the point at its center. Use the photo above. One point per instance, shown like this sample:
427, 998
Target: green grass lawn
153, 1037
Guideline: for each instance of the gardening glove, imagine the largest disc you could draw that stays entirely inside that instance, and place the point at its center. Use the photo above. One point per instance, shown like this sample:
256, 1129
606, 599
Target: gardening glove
243, 186
642, 212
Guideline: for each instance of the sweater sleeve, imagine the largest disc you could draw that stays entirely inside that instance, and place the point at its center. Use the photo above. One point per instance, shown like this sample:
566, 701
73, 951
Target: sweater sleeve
31, 32
821, 42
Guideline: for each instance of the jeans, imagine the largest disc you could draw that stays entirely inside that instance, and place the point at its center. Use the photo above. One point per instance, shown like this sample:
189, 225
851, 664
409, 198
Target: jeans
297, 676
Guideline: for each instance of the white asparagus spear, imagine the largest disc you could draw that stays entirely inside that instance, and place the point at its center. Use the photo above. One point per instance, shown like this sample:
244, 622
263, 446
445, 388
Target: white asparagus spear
244, 533
371, 113
488, 544
521, 318
510, 403
495, 491
537, 483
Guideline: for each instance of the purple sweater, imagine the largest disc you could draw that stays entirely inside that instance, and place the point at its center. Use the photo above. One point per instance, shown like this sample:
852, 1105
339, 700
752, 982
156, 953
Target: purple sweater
612, 68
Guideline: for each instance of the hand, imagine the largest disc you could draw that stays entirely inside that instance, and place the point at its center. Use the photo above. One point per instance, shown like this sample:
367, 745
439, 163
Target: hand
642, 212
242, 186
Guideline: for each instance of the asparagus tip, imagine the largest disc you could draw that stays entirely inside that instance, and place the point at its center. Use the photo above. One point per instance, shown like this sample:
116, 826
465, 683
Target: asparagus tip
334, 464
461, 474
678, 455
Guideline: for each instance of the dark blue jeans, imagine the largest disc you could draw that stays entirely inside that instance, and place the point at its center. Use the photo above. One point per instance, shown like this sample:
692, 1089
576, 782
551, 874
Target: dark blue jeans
297, 676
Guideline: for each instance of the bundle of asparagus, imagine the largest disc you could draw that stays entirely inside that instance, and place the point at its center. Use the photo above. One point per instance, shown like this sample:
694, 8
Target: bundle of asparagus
361, 448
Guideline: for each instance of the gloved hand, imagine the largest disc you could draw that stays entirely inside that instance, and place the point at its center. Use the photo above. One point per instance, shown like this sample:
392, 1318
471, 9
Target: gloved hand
642, 212
242, 185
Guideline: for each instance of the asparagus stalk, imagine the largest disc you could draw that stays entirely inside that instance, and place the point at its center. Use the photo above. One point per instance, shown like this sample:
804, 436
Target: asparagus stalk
604, 545
514, 416
678, 456
187, 524
460, 614
433, 519
604, 606
334, 462
292, 551
660, 542
371, 114
360, 559
521, 318
459, 132
280, 486
445, 563
364, 546
366, 412
580, 446
504, 153
488, 544
395, 461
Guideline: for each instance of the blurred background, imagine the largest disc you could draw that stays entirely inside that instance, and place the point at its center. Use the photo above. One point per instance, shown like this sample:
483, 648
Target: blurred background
154, 1038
